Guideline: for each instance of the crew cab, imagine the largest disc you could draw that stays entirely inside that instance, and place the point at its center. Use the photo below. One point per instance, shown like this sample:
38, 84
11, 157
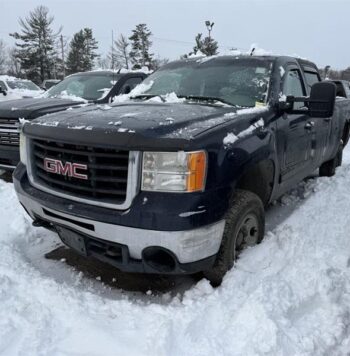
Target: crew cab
175, 179
96, 87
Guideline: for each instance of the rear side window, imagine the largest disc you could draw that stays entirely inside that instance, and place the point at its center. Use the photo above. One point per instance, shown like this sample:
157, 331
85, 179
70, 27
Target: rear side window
341, 90
293, 85
347, 89
311, 78
130, 84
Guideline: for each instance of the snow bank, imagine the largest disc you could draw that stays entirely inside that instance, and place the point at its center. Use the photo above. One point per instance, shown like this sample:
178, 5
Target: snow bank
288, 296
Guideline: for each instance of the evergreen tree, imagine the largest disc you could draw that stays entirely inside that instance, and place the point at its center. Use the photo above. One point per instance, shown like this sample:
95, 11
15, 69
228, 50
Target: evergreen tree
119, 55
140, 47
82, 52
35, 49
208, 46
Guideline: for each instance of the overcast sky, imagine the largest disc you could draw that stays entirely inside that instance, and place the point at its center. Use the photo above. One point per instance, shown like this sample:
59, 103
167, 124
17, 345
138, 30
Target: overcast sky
315, 29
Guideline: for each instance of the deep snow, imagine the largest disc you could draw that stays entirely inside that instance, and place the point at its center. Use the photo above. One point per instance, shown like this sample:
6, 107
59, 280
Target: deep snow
288, 296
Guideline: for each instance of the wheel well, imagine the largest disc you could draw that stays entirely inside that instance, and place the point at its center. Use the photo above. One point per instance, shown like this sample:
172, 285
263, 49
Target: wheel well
259, 179
346, 133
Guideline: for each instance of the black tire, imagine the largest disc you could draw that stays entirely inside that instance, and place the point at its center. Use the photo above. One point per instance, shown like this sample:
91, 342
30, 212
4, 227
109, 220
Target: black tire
346, 134
328, 168
246, 213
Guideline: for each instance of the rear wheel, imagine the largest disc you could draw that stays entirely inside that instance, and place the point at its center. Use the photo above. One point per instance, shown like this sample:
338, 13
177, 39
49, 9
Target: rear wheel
328, 168
245, 224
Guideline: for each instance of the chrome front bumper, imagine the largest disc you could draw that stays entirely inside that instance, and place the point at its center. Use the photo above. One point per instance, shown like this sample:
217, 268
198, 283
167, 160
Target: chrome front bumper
188, 246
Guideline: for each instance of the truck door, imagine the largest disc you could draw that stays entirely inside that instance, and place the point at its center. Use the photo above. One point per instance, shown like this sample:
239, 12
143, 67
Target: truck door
296, 133
322, 127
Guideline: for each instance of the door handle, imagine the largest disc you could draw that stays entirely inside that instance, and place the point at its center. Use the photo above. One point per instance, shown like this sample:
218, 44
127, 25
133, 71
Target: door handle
309, 125
328, 119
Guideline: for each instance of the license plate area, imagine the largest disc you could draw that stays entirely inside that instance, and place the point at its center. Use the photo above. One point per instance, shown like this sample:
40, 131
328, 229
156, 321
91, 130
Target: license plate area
72, 240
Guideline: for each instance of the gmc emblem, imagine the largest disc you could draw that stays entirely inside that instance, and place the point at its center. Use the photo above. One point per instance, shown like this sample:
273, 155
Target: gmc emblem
65, 169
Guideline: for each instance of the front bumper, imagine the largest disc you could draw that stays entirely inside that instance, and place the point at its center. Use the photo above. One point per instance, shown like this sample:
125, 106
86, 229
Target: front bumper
190, 250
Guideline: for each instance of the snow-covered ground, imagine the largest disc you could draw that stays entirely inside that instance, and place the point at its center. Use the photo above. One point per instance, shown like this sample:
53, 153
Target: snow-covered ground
288, 296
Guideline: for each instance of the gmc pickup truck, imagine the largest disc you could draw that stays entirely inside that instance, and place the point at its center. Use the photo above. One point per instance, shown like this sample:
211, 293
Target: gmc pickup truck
175, 179
98, 87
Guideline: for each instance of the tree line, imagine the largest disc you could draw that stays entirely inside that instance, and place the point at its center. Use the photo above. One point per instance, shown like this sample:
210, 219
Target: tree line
41, 53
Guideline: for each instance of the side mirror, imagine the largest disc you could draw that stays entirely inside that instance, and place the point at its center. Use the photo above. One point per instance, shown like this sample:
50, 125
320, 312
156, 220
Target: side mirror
322, 99
3, 91
320, 103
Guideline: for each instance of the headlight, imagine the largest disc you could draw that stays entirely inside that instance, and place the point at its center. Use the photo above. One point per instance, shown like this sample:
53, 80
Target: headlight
23, 148
174, 171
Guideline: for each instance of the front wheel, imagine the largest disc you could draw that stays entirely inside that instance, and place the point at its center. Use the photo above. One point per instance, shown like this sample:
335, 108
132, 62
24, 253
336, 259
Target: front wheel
328, 168
245, 225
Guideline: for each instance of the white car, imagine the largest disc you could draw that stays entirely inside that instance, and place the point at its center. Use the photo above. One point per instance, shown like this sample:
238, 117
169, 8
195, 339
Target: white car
12, 88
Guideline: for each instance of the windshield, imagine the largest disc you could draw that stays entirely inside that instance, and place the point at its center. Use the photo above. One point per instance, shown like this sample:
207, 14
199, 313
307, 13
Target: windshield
88, 87
237, 81
22, 85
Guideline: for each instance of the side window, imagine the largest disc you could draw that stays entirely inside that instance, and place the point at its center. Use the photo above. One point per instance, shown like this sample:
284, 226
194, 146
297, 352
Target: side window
293, 85
347, 86
130, 84
311, 78
341, 90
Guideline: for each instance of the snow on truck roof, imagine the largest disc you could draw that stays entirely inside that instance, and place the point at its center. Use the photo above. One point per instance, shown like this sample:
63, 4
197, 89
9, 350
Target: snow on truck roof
109, 72
9, 78
203, 58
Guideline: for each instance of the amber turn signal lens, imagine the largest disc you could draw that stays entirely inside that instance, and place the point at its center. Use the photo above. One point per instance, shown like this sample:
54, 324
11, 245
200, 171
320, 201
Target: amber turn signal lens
197, 165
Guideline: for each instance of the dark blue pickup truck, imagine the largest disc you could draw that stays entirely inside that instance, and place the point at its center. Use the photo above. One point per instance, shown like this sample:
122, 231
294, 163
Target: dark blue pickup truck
175, 179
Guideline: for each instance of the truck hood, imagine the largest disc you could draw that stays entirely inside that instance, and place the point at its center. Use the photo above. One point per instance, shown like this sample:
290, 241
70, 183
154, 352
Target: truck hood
132, 122
30, 108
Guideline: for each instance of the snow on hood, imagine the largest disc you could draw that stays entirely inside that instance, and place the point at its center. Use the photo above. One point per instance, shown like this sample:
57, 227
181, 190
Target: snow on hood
65, 95
231, 138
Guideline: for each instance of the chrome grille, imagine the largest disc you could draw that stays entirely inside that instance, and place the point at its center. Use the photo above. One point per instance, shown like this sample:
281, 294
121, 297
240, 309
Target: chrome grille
107, 170
9, 134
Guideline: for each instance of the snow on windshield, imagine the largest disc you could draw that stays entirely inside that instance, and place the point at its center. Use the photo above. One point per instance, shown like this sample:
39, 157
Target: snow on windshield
241, 82
19, 84
84, 86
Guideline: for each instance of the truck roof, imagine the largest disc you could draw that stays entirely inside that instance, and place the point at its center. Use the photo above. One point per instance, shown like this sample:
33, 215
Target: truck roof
302, 62
107, 72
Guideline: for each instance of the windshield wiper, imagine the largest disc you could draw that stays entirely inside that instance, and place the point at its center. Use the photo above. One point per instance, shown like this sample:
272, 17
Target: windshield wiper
148, 96
206, 98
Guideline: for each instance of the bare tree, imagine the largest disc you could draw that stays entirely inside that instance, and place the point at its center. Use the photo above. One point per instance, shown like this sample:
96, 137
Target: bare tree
104, 62
119, 56
14, 64
3, 56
